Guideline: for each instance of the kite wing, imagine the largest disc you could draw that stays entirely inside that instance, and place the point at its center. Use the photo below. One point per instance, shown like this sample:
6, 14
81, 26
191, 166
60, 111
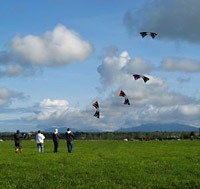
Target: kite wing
122, 93
137, 76
126, 101
143, 34
152, 34
145, 78
96, 105
97, 114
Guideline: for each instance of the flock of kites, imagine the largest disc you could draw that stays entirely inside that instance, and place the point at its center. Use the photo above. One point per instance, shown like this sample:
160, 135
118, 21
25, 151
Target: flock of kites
136, 77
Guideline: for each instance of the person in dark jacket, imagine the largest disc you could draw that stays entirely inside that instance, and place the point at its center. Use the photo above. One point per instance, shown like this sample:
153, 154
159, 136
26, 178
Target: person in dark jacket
17, 138
55, 137
69, 139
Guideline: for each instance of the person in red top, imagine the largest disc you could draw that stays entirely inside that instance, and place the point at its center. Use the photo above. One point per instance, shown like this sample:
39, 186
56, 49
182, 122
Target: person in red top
69, 139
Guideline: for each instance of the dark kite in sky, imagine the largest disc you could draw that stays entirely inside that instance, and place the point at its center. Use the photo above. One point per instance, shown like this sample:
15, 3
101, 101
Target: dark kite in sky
96, 105
137, 76
126, 101
152, 34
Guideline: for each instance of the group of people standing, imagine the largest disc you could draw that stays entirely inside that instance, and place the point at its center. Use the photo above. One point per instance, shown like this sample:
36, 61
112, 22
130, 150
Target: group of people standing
69, 136
69, 139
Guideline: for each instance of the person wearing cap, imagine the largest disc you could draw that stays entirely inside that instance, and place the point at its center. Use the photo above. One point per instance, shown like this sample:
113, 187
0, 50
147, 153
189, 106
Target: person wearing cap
17, 139
69, 139
40, 141
55, 137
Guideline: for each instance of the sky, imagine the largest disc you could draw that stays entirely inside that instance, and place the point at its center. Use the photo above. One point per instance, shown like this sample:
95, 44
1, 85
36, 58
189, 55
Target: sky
58, 57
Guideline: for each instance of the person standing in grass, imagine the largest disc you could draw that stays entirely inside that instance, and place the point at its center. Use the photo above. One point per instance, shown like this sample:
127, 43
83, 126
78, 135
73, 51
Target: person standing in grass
55, 137
69, 139
40, 141
18, 145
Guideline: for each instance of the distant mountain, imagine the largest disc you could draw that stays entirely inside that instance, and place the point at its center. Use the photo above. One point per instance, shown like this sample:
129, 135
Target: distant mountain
168, 127
153, 127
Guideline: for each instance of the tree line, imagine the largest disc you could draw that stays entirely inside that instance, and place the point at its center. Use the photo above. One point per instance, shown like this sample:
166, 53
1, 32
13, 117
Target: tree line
111, 135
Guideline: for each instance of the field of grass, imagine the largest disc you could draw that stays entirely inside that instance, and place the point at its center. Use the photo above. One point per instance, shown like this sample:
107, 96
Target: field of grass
102, 165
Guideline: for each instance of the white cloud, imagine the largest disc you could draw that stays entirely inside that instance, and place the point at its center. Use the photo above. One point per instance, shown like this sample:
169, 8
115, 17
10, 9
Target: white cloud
190, 110
111, 68
50, 109
60, 104
138, 65
187, 113
116, 73
112, 115
180, 65
150, 102
54, 48
55, 112
57, 47
115, 70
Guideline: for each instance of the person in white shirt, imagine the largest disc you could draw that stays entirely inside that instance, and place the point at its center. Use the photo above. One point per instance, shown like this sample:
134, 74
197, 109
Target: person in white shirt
40, 141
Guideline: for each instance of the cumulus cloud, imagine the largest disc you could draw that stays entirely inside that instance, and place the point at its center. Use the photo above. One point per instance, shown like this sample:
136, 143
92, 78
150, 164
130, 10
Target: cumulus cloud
173, 20
113, 68
50, 109
54, 104
116, 73
113, 116
186, 113
54, 48
59, 113
150, 102
180, 65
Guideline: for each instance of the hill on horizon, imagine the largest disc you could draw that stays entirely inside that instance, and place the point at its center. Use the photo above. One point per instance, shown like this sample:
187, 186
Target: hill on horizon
152, 127
168, 127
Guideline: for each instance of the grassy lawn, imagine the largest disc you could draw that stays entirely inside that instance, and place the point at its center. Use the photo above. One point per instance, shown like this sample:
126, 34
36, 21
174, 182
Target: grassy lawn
102, 164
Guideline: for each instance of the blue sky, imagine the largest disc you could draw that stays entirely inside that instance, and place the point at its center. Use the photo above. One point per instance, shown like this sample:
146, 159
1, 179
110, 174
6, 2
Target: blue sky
57, 57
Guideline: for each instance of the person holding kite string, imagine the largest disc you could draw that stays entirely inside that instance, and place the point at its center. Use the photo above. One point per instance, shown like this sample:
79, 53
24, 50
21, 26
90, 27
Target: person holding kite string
69, 139
17, 138
55, 137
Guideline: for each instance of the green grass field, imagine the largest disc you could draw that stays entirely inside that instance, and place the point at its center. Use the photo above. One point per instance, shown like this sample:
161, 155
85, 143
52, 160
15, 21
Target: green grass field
102, 165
